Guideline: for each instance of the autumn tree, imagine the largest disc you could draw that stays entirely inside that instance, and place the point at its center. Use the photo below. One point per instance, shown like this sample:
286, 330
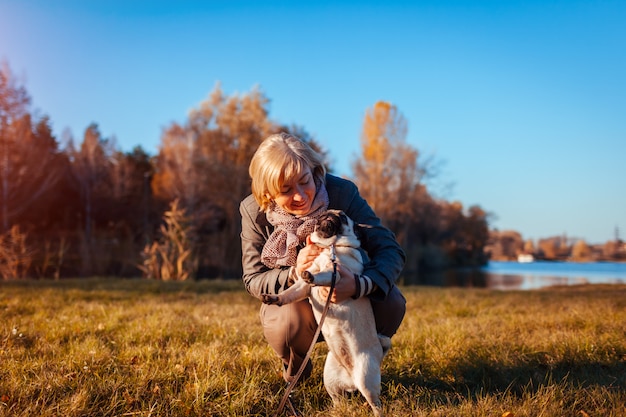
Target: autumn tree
13, 103
15, 254
170, 257
581, 251
29, 158
529, 247
435, 234
611, 249
204, 163
91, 166
555, 247
474, 236
387, 171
504, 245
131, 173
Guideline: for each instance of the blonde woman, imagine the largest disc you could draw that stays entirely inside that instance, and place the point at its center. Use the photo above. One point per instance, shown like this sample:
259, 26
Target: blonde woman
290, 190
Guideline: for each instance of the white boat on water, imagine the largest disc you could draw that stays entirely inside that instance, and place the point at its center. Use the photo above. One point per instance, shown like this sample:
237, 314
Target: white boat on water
525, 258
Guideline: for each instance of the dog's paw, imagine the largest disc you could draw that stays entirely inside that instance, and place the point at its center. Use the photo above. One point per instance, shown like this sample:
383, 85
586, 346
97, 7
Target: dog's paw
308, 277
270, 299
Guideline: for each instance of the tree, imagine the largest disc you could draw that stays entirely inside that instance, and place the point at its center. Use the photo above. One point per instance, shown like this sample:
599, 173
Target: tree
15, 255
91, 169
387, 172
463, 234
171, 256
475, 235
581, 251
204, 163
554, 247
529, 246
610, 249
130, 178
29, 158
434, 233
504, 245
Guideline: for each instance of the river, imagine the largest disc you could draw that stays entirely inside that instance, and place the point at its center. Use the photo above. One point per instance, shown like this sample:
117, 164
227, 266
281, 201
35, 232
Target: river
528, 276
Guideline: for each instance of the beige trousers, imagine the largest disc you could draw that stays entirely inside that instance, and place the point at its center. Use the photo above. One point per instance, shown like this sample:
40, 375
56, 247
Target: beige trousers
289, 329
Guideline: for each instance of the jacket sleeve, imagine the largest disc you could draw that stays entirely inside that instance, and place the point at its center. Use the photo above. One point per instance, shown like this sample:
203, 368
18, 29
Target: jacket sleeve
386, 257
258, 278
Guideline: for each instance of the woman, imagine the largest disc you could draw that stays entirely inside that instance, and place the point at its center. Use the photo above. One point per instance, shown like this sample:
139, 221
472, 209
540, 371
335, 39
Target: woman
290, 190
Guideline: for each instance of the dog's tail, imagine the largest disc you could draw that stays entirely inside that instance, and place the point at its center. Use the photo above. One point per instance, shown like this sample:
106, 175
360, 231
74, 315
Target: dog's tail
385, 342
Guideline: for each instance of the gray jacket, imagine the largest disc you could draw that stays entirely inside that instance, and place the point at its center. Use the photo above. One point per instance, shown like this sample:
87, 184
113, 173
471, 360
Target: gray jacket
386, 257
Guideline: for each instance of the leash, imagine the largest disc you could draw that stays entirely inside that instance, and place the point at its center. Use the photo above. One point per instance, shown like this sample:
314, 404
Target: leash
296, 378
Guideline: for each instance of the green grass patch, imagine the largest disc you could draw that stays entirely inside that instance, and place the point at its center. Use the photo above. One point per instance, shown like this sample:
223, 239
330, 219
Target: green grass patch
110, 347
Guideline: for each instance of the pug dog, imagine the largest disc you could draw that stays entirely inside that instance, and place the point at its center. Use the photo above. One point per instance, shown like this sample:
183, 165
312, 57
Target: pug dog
355, 350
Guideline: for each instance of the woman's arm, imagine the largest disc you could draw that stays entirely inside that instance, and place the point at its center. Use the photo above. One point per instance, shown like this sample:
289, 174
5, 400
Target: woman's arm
258, 278
386, 257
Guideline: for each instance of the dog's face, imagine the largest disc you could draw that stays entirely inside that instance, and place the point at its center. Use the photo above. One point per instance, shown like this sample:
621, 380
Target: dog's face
332, 225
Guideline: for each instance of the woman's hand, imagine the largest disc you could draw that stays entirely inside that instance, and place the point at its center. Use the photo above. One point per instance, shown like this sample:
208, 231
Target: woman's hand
345, 287
306, 256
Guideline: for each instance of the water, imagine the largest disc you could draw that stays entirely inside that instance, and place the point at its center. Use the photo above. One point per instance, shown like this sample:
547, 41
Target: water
528, 276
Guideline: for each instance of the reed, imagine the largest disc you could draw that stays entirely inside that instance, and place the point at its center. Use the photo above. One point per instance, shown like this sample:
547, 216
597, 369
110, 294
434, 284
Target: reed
110, 347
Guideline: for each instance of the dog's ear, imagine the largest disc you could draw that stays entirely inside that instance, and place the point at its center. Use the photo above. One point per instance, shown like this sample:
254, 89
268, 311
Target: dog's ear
359, 231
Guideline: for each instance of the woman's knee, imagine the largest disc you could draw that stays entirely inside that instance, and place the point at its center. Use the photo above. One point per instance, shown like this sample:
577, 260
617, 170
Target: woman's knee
389, 313
289, 324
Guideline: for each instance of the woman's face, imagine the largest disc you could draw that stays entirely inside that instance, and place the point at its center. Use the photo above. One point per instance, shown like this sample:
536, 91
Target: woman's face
297, 194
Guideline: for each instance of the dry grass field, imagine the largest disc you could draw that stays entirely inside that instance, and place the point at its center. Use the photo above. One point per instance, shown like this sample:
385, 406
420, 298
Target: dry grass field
115, 347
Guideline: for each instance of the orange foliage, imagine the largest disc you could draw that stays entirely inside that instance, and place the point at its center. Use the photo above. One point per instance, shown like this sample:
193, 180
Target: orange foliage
387, 171
204, 164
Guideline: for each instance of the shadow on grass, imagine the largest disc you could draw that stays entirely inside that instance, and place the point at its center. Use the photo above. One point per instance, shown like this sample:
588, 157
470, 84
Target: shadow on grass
472, 380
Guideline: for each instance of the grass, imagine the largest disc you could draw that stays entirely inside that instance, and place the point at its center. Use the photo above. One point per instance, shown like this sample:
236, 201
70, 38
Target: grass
145, 348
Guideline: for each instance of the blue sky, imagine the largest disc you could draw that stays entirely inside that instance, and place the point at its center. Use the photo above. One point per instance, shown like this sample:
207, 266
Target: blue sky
523, 101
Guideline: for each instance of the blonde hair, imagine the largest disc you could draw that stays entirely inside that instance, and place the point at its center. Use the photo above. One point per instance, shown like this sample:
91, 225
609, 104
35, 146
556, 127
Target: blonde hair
280, 158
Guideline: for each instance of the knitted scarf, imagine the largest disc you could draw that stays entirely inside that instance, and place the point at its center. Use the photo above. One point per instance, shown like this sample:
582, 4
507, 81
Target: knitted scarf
281, 248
